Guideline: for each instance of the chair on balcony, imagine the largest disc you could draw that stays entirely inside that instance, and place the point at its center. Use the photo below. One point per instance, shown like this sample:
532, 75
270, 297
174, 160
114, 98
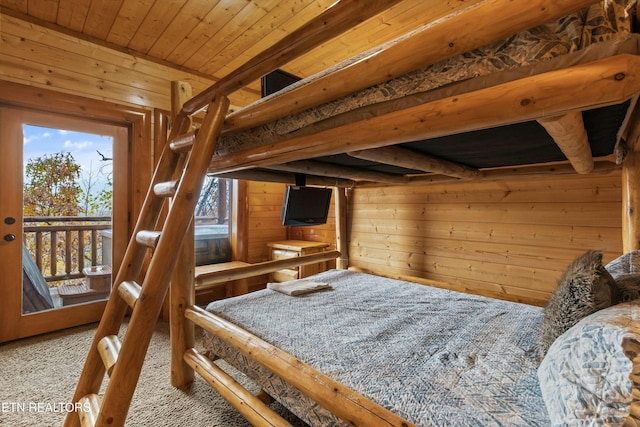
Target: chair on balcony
35, 292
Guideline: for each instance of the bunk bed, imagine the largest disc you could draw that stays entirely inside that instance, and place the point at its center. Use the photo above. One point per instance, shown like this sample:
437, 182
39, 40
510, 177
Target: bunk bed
555, 94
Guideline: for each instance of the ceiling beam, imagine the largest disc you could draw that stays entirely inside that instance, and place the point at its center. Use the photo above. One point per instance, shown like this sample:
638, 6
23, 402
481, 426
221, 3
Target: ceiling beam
261, 175
410, 159
570, 135
315, 167
602, 165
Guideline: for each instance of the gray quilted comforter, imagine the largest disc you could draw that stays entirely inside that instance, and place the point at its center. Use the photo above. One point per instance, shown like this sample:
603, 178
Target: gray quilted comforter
434, 357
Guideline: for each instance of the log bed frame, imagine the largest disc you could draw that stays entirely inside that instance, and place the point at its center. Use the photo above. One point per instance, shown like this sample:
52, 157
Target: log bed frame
550, 98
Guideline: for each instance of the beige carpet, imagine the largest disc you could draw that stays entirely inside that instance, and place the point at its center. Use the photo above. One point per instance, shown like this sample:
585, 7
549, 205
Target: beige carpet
38, 376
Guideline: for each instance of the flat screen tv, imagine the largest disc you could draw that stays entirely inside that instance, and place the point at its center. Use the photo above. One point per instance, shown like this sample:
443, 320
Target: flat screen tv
305, 205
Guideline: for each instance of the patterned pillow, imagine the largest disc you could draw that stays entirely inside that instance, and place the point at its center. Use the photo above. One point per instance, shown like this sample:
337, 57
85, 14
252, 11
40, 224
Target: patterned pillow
626, 272
628, 287
628, 263
584, 288
591, 374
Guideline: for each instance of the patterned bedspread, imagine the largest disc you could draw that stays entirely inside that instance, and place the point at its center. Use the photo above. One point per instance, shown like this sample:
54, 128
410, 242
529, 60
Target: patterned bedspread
434, 357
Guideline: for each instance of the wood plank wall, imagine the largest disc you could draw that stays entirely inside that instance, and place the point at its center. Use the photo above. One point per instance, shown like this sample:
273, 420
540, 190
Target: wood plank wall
264, 201
514, 236
39, 56
264, 226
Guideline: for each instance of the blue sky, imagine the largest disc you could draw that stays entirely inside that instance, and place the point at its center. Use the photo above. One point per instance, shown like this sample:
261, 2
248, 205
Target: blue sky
84, 147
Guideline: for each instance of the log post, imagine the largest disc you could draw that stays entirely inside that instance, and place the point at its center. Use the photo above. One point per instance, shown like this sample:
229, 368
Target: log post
341, 228
631, 202
240, 223
182, 291
630, 178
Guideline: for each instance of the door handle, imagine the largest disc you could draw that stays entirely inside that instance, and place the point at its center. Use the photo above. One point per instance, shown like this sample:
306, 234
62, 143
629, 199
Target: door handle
9, 237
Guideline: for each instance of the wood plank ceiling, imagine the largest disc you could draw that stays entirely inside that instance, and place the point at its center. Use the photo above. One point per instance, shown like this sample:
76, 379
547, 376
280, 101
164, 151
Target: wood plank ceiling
211, 38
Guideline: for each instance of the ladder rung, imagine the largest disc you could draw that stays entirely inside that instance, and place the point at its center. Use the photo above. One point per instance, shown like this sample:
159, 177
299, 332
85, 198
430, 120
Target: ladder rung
183, 143
148, 238
165, 189
109, 347
89, 410
129, 291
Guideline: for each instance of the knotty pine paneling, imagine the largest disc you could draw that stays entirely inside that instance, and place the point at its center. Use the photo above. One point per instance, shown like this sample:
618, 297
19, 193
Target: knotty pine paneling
264, 201
264, 226
515, 237
38, 56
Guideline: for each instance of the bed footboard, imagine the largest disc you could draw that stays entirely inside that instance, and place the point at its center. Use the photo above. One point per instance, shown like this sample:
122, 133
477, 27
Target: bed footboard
250, 406
350, 406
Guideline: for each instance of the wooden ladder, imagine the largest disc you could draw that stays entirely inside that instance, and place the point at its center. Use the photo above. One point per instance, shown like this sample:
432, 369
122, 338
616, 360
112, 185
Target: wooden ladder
179, 176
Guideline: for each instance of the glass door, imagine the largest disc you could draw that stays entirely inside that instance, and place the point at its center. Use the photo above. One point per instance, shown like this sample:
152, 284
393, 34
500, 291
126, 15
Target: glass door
60, 219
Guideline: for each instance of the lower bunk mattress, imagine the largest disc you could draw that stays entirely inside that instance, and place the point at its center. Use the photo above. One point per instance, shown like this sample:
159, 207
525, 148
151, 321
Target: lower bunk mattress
432, 356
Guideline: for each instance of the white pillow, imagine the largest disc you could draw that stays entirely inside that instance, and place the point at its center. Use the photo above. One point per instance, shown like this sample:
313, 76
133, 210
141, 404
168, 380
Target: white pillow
591, 373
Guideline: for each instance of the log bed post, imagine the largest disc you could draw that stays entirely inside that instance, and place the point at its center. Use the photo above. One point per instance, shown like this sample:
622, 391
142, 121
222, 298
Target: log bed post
630, 159
181, 290
341, 228
631, 201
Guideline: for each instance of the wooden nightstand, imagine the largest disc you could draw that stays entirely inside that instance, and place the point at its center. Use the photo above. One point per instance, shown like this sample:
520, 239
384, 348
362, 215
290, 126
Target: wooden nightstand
295, 248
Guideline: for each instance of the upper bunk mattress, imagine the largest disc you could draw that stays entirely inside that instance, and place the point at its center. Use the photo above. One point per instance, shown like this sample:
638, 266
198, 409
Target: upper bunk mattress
603, 22
432, 356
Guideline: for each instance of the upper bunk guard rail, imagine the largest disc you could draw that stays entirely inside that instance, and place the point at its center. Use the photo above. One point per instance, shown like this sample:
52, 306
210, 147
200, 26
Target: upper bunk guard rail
600, 83
124, 358
455, 34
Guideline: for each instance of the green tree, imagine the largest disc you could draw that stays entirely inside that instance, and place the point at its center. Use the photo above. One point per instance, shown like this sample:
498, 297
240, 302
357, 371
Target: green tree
51, 187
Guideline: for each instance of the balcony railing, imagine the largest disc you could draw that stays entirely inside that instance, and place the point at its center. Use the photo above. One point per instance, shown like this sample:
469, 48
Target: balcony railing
63, 246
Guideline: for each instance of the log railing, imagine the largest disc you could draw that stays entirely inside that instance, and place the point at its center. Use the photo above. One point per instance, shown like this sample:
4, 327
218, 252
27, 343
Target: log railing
63, 246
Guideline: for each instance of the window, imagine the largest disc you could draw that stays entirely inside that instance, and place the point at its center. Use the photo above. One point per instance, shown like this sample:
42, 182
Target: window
212, 222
